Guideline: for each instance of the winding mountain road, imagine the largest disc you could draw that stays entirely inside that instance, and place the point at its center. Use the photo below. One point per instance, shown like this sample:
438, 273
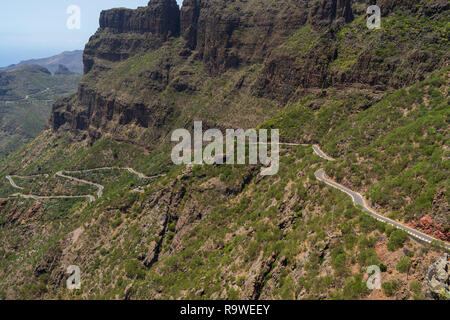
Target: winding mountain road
27, 97
359, 200
12, 183
321, 154
99, 186
91, 198
36, 197
320, 175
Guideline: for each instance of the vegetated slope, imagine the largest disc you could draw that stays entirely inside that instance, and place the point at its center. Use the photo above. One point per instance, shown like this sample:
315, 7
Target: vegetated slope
72, 60
287, 236
26, 96
398, 153
224, 231
395, 151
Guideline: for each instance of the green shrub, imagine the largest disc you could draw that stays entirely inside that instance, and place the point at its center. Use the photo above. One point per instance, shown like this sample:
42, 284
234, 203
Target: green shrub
366, 223
350, 240
403, 265
338, 261
365, 242
390, 287
409, 253
134, 270
345, 228
298, 209
415, 286
116, 223
381, 226
389, 229
354, 288
396, 239
368, 257
240, 281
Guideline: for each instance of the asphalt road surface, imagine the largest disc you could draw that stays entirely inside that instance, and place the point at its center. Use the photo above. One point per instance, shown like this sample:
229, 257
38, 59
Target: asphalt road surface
359, 200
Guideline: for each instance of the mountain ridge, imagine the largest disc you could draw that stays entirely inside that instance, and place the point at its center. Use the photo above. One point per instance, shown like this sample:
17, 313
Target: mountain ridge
26, 95
69, 59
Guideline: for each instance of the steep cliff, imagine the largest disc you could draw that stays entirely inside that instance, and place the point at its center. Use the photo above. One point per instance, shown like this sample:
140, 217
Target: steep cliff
217, 36
125, 32
151, 68
227, 34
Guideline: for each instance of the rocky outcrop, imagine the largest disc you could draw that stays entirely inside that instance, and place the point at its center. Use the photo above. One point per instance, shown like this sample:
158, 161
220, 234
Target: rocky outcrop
90, 113
324, 13
61, 112
283, 74
227, 35
256, 276
188, 21
221, 34
160, 18
428, 225
126, 32
440, 209
62, 70
50, 264
437, 279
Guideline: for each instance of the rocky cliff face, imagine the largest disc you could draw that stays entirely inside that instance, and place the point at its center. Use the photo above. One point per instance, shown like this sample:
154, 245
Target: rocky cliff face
290, 48
160, 18
437, 279
225, 34
125, 32
228, 34
221, 35
190, 13
326, 12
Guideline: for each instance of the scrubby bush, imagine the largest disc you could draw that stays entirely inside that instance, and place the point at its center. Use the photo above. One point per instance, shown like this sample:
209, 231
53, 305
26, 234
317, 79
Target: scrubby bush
390, 287
403, 265
134, 270
396, 239
366, 223
350, 240
354, 288
117, 222
368, 257
383, 267
416, 288
338, 261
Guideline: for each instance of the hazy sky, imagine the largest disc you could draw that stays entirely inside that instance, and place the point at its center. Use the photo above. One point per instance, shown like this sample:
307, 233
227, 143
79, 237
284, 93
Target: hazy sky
38, 29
